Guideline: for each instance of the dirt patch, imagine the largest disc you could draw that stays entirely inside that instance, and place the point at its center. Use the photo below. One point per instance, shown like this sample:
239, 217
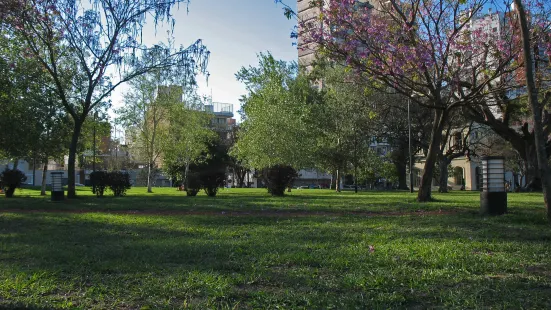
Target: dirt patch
232, 213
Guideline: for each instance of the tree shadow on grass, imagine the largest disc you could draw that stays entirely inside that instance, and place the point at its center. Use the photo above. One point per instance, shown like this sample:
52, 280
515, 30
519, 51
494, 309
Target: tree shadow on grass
263, 261
237, 202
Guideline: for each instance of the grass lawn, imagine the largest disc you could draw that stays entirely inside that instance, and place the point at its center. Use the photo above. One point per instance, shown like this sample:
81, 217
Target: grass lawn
247, 250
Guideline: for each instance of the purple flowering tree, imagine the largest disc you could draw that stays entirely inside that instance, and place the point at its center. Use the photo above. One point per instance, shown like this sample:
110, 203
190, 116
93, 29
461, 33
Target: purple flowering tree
431, 51
90, 47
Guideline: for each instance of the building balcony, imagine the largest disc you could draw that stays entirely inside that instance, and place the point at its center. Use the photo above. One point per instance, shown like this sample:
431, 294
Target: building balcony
220, 109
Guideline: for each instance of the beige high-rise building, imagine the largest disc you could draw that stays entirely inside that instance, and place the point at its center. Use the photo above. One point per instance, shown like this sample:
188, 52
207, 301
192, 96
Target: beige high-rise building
306, 14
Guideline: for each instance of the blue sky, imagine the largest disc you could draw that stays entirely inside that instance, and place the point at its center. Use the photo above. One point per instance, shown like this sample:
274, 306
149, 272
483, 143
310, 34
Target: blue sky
235, 31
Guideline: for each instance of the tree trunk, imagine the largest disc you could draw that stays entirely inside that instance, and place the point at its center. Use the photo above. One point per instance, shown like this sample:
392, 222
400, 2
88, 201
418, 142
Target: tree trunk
540, 139
402, 174
44, 171
424, 193
15, 163
71, 191
443, 182
533, 180
186, 180
241, 173
149, 178
399, 157
338, 181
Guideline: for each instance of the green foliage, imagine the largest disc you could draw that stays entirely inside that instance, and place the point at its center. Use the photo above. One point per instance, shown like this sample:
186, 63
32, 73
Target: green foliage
189, 137
345, 119
32, 124
119, 182
10, 179
278, 178
213, 170
146, 115
193, 181
209, 173
100, 181
290, 122
278, 127
373, 167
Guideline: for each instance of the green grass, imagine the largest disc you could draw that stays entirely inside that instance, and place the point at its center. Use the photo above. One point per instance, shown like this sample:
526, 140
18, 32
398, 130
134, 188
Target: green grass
246, 250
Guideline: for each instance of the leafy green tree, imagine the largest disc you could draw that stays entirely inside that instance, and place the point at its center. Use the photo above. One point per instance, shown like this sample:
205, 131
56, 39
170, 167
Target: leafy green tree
212, 171
33, 125
146, 114
344, 120
279, 107
189, 137
91, 47
238, 166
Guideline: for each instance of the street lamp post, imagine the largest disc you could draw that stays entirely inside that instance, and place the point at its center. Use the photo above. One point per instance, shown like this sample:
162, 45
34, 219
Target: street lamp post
410, 156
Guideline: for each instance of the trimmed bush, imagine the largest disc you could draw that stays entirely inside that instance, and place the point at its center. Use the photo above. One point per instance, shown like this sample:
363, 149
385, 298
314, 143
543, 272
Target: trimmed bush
193, 182
213, 171
210, 174
119, 182
10, 179
99, 180
278, 178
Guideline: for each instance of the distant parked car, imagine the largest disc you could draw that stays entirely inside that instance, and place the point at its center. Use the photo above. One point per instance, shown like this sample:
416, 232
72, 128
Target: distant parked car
78, 184
303, 187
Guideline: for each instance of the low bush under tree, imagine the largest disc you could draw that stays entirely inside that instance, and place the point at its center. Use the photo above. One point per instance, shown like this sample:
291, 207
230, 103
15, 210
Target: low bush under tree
119, 182
193, 185
10, 179
99, 180
212, 171
277, 178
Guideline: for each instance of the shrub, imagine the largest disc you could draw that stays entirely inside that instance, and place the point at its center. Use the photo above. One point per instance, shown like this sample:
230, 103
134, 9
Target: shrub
119, 182
99, 180
10, 179
192, 192
212, 172
193, 182
277, 178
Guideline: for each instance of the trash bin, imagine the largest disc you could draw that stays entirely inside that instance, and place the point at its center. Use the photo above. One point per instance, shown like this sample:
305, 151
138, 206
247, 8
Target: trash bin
57, 186
493, 198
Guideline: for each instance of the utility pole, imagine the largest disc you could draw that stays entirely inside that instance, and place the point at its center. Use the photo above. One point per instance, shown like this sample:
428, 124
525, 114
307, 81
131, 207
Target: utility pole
410, 156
